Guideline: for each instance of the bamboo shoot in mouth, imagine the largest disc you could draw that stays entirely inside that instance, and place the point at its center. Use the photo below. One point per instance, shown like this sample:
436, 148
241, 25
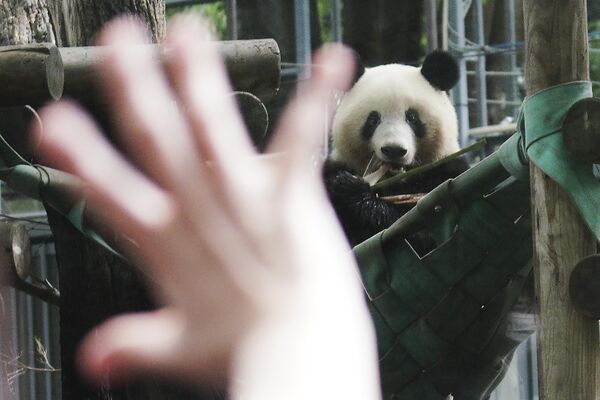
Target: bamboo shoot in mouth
375, 176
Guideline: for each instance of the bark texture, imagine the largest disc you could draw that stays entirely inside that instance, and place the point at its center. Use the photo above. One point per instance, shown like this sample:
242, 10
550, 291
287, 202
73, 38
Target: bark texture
25, 22
80, 20
568, 353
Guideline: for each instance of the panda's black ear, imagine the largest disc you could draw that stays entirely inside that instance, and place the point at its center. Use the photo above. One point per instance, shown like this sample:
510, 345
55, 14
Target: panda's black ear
359, 67
441, 70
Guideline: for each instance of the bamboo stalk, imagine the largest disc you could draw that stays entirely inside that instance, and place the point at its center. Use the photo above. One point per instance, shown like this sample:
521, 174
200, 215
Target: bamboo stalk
424, 168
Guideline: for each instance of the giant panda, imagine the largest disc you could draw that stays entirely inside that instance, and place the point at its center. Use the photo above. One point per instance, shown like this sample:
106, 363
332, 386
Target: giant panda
395, 117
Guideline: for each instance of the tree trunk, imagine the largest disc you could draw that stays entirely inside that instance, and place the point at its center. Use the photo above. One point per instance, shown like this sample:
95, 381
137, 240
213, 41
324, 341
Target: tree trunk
384, 31
567, 341
80, 20
25, 22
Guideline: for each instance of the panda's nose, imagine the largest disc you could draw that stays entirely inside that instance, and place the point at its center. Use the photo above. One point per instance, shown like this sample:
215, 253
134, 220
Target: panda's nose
393, 152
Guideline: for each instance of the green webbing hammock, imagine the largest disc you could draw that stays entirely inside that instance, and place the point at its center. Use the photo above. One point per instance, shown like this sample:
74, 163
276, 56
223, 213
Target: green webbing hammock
442, 319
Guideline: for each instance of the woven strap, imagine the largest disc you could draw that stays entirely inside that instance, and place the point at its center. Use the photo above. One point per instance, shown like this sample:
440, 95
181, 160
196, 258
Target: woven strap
543, 116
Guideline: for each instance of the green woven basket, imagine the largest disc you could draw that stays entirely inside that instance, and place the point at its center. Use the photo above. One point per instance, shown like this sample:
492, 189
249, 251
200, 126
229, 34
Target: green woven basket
441, 317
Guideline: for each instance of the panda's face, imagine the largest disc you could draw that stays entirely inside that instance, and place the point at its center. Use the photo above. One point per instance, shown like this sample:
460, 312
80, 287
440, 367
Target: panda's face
394, 139
393, 116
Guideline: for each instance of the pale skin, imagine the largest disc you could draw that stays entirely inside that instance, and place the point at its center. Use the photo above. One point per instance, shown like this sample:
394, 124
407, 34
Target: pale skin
258, 284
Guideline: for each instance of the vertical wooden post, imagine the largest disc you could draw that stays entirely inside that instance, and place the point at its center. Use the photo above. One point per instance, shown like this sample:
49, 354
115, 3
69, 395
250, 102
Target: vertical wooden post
568, 352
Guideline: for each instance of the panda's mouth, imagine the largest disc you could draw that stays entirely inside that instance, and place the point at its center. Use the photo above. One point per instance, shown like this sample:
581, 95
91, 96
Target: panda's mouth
393, 167
378, 169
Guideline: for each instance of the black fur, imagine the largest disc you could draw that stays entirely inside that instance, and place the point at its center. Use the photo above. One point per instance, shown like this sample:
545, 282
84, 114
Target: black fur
372, 122
441, 70
361, 212
414, 120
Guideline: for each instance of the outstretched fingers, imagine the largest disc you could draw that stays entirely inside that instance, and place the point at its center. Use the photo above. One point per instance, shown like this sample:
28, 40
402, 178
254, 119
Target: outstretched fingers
133, 345
200, 80
151, 125
71, 141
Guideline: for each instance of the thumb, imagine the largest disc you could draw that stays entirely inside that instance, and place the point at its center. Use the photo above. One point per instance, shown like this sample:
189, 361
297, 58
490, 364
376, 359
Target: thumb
132, 345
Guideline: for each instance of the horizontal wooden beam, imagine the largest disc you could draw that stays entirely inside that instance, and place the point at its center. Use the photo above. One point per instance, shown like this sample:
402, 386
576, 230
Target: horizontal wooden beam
253, 66
30, 74
35, 74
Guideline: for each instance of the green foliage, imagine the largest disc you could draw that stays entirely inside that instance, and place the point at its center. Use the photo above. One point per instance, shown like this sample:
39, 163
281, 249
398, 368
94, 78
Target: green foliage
215, 12
595, 71
325, 18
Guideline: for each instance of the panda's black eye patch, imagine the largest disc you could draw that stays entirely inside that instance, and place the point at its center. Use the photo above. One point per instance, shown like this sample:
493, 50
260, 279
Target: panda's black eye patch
414, 120
371, 123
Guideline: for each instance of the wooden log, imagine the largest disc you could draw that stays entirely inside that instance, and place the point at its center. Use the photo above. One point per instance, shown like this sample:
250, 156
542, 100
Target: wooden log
253, 66
30, 74
15, 250
15, 262
556, 52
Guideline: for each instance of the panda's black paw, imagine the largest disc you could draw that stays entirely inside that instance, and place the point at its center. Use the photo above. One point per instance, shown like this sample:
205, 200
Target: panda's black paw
341, 181
359, 209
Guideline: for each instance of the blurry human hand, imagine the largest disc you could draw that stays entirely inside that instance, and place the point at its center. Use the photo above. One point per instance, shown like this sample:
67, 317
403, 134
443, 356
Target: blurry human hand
245, 254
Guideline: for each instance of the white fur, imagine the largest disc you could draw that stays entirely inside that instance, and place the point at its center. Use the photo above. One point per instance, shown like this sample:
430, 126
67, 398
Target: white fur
391, 90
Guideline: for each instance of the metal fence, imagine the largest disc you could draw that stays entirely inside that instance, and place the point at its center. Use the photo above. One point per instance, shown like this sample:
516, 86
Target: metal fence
31, 347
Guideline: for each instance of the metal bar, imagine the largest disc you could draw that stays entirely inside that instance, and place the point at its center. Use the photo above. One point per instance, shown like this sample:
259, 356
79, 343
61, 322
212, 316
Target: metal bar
170, 3
500, 102
484, 131
336, 20
445, 23
497, 73
38, 329
480, 76
302, 32
533, 370
431, 22
460, 93
511, 89
231, 11
41, 262
16, 334
29, 348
